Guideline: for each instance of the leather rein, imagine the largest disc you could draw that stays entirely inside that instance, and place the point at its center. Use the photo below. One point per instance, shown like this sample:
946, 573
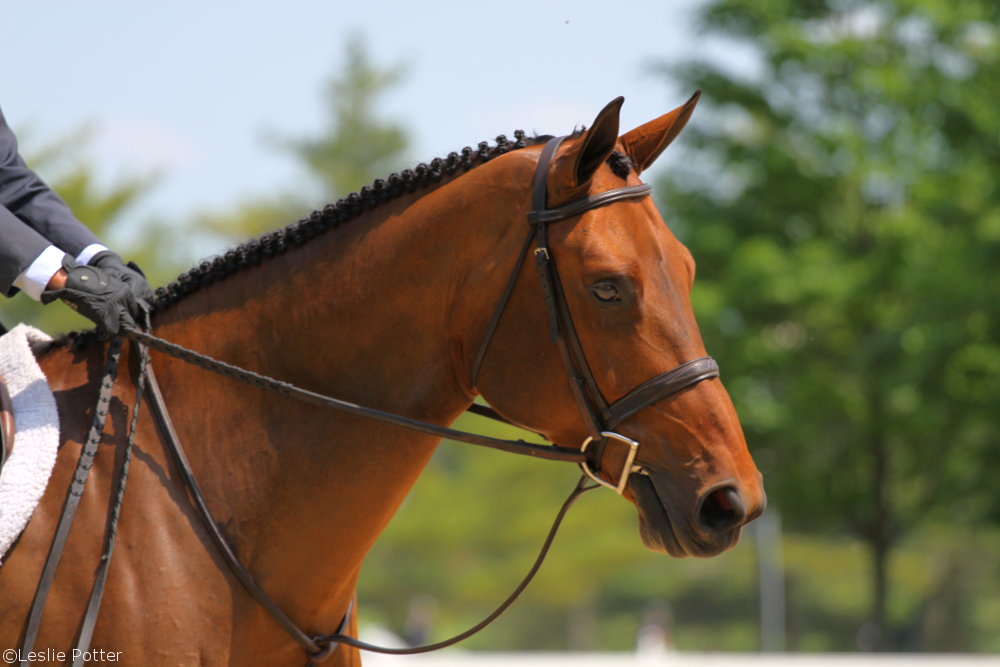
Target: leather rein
600, 417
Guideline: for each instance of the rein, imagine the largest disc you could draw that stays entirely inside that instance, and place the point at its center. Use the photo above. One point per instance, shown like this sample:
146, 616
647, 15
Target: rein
320, 647
72, 502
550, 452
599, 415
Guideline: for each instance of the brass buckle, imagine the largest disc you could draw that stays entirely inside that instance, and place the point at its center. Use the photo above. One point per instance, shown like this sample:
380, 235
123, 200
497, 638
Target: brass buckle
627, 469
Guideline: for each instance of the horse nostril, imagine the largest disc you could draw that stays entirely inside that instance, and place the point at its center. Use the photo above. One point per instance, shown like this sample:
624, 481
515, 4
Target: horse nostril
722, 509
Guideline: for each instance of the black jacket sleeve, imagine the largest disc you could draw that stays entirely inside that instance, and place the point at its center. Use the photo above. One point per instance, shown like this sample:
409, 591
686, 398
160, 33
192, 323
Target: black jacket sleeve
32, 216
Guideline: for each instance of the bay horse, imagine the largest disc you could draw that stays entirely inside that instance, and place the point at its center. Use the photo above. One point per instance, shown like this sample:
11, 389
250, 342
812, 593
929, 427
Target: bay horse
389, 299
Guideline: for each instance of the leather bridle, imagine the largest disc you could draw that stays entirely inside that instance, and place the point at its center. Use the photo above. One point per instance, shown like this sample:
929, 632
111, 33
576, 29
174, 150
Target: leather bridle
600, 416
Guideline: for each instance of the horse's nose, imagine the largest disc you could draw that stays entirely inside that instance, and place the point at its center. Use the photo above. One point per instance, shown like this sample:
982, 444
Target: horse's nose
720, 510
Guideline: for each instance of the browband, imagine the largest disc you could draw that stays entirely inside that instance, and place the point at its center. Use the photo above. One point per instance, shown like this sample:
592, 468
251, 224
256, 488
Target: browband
579, 206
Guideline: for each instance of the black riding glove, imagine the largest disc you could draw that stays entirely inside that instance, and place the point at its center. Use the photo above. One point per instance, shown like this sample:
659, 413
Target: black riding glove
97, 295
130, 274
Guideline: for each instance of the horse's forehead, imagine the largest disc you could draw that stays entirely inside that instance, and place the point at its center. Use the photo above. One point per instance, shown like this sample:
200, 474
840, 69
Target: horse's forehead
629, 230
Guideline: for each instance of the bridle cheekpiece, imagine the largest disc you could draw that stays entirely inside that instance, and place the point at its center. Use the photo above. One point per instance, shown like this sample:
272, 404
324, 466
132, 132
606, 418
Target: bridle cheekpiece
601, 417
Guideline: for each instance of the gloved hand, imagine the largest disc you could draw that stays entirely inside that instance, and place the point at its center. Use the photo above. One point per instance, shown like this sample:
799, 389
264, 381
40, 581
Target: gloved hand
97, 295
130, 274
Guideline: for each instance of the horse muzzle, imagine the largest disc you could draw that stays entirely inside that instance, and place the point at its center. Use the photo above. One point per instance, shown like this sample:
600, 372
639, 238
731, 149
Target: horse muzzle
669, 522
672, 524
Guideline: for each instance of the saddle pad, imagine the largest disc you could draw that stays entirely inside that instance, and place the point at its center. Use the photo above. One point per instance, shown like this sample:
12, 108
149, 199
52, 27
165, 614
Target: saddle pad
27, 471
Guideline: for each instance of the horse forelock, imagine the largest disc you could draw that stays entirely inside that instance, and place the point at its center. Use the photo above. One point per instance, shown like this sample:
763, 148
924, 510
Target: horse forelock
620, 164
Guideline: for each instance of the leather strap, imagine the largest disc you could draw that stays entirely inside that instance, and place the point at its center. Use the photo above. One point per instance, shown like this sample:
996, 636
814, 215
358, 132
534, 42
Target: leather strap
169, 436
495, 320
111, 534
328, 642
662, 386
582, 205
582, 382
594, 407
540, 179
72, 502
580, 488
586, 392
550, 452
600, 417
321, 646
580, 378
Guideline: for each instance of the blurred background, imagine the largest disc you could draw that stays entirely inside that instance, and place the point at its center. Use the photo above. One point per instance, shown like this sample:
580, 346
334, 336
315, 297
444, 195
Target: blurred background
838, 187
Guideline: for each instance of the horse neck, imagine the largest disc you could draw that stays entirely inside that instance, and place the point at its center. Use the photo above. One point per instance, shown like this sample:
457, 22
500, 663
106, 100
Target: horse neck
366, 313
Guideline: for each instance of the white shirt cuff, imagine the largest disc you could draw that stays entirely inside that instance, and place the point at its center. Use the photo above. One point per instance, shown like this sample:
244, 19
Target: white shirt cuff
88, 253
36, 277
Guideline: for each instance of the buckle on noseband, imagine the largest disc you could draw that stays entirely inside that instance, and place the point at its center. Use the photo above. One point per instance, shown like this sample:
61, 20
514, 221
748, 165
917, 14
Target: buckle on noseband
627, 469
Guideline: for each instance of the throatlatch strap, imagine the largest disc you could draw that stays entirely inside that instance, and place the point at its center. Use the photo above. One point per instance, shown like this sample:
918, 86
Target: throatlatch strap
491, 329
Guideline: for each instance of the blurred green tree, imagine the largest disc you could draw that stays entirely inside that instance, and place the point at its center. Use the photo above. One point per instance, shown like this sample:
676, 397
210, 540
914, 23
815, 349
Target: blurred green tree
355, 147
840, 196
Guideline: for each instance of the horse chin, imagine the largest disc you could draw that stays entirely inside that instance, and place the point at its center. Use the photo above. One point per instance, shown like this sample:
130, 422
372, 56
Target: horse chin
664, 534
655, 527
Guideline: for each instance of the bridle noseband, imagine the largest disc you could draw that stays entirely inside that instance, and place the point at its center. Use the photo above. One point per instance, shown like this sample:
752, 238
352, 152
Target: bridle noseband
601, 417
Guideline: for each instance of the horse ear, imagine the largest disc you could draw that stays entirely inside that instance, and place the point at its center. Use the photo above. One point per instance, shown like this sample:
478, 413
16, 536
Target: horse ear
598, 142
645, 143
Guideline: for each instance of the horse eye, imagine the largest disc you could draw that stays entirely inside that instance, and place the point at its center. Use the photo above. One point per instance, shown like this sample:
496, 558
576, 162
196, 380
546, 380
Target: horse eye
606, 291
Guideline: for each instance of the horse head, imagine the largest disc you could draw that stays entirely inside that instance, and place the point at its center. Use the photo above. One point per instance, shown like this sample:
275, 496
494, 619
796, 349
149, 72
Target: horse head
620, 363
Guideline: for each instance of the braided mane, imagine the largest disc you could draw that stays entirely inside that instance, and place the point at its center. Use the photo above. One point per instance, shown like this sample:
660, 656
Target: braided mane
347, 208
333, 215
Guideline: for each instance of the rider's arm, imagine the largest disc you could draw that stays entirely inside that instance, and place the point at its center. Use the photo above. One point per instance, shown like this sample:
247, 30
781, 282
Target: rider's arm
34, 222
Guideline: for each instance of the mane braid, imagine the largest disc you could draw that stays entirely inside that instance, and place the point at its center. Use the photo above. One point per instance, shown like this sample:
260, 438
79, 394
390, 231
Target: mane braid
333, 215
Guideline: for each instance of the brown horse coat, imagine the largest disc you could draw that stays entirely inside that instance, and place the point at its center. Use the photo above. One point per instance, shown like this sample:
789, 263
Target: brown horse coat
386, 311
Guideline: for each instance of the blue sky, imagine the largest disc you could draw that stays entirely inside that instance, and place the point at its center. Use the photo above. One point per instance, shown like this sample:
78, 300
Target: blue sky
192, 89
